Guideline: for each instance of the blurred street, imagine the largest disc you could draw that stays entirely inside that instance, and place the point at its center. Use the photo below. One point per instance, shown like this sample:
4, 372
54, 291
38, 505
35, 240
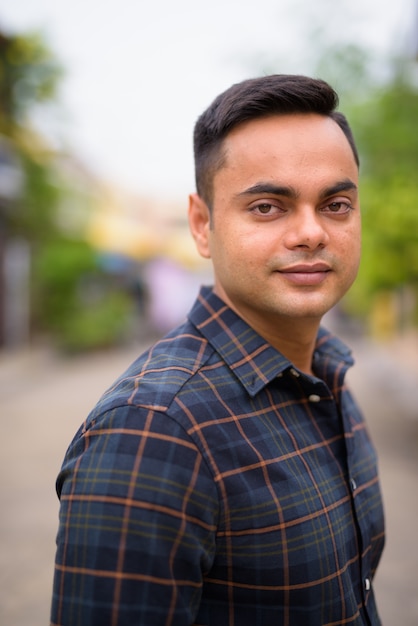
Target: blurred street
44, 398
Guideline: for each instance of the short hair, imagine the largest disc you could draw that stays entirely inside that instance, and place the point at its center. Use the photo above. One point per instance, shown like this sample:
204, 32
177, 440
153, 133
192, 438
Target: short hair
276, 94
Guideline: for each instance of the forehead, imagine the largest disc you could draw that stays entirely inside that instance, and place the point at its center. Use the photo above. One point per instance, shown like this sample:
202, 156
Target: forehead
289, 141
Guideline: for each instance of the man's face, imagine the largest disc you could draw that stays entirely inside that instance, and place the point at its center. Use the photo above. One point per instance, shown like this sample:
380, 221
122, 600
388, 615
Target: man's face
284, 237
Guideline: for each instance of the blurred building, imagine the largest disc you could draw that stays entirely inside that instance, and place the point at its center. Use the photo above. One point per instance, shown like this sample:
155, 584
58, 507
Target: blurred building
14, 254
150, 238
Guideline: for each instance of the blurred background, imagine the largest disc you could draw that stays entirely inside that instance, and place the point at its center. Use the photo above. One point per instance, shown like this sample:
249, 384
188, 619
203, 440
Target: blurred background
98, 101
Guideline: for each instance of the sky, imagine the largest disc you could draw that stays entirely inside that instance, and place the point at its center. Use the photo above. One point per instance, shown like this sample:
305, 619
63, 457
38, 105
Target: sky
139, 73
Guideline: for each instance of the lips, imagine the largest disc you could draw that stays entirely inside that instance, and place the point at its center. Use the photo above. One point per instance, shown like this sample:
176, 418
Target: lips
306, 274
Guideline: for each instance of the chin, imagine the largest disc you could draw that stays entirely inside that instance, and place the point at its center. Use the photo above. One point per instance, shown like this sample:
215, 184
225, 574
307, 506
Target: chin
312, 305
308, 314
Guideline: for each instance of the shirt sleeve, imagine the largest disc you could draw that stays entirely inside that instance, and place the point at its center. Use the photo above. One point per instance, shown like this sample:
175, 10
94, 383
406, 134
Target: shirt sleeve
138, 516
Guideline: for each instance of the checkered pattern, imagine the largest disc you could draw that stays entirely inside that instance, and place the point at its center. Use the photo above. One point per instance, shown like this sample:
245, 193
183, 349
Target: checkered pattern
214, 484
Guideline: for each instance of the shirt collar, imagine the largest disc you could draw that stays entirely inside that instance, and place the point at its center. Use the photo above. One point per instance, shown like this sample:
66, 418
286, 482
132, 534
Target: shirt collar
254, 361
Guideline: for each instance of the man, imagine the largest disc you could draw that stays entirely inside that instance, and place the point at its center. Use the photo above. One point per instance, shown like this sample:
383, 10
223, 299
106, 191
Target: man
227, 478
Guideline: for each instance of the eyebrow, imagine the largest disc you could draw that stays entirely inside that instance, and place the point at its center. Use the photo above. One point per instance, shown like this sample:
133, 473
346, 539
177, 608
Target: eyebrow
271, 189
291, 192
343, 185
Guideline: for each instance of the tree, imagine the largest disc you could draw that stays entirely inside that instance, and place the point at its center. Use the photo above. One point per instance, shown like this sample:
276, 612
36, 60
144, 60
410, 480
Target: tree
62, 261
385, 127
29, 75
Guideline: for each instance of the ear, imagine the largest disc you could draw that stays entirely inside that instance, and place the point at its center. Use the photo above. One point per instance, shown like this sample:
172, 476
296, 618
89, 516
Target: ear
199, 223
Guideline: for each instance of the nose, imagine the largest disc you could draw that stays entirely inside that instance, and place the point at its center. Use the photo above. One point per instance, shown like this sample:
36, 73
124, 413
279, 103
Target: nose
305, 229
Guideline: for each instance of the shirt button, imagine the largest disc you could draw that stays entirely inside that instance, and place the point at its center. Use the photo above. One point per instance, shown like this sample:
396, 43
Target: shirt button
353, 484
314, 397
294, 372
367, 584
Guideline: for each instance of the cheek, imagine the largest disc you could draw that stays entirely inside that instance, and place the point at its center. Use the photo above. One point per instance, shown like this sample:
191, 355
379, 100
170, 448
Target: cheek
349, 238
231, 238
237, 257
350, 249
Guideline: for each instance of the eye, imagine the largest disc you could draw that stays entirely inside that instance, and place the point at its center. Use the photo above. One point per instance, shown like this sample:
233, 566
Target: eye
338, 207
266, 209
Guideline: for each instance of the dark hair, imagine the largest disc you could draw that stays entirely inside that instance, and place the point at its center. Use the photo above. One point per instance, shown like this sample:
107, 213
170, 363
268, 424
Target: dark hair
276, 94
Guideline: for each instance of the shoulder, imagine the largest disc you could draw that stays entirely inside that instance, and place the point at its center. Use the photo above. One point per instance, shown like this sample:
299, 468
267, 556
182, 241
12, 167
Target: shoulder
158, 375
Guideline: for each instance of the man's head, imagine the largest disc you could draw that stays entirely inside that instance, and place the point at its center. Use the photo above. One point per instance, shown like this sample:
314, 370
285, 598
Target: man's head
277, 209
278, 94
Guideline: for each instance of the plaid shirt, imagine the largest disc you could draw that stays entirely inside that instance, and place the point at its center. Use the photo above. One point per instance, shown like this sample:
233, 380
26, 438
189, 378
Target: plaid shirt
214, 484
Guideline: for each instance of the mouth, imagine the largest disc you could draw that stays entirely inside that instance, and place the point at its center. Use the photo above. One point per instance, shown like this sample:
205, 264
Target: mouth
306, 274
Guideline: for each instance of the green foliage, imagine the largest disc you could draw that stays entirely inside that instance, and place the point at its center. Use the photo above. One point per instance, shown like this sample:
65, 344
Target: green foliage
390, 250
344, 67
385, 128
34, 214
72, 299
58, 267
386, 131
29, 74
96, 326
75, 299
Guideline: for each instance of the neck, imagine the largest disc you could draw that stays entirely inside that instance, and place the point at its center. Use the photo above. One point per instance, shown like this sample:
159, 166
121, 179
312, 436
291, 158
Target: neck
294, 338
298, 348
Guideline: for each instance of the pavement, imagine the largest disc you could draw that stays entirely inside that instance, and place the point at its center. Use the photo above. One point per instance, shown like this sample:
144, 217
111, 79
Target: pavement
44, 397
